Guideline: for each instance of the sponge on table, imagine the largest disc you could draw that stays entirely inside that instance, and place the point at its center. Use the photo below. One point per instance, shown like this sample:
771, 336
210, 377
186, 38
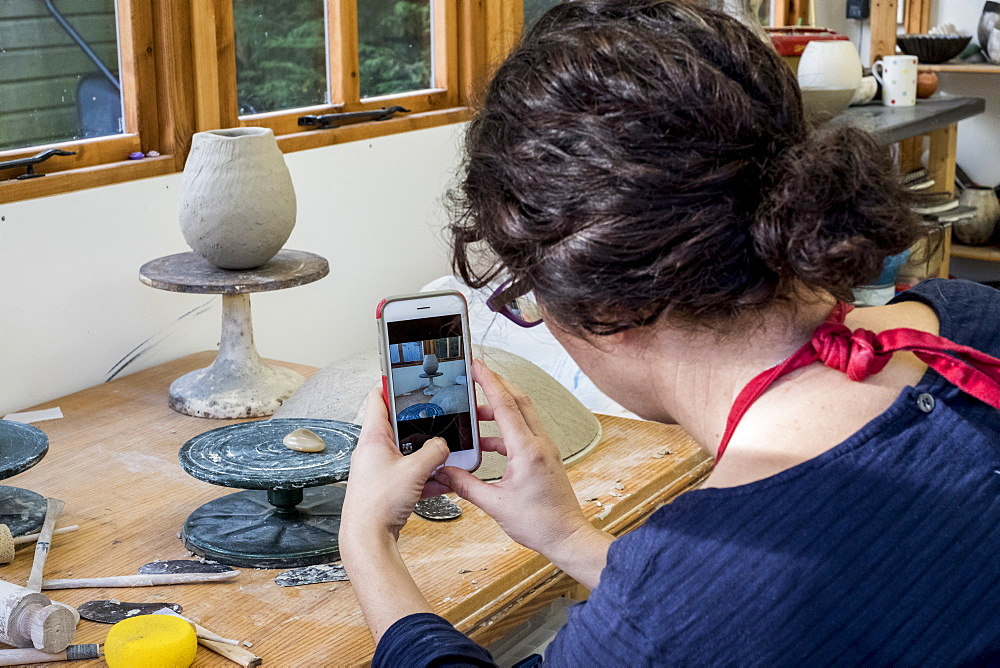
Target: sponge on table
151, 641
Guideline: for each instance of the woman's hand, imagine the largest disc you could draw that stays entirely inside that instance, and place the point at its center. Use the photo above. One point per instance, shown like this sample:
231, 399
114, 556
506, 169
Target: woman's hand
381, 491
384, 485
533, 502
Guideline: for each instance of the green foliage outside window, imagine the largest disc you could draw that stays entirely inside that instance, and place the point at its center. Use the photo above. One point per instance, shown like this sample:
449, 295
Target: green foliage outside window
281, 51
394, 46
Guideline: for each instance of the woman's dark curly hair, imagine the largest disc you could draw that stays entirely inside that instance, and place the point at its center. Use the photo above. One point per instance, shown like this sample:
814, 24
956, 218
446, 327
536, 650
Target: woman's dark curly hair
646, 158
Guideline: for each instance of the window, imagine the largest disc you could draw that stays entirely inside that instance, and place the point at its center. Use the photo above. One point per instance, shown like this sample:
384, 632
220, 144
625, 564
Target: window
70, 73
110, 79
59, 72
533, 10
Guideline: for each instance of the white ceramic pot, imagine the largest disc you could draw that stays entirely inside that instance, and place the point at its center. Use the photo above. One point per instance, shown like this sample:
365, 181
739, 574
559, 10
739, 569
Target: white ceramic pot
237, 202
830, 65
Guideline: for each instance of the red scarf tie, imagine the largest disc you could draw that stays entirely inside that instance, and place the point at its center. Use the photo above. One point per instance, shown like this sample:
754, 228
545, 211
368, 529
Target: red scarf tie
862, 353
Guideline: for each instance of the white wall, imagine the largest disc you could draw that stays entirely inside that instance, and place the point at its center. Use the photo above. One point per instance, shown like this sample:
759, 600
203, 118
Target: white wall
72, 306
406, 379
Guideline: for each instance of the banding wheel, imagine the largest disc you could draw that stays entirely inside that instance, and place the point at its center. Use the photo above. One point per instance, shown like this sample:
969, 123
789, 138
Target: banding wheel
21, 447
289, 513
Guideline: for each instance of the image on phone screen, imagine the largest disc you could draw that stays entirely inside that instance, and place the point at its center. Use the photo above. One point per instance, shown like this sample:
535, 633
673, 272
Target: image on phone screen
430, 382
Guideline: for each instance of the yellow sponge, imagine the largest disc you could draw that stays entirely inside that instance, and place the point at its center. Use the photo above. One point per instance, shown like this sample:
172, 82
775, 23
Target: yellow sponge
151, 641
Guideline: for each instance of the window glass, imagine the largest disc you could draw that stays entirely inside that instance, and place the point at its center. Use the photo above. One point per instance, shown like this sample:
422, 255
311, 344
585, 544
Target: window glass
280, 54
533, 10
58, 72
394, 49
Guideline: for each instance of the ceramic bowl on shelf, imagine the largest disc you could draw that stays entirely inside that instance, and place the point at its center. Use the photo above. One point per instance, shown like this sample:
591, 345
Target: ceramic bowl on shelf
829, 74
932, 49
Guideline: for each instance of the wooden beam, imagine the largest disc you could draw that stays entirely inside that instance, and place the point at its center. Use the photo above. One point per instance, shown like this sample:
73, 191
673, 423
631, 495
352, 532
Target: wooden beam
472, 49
206, 65
138, 72
444, 44
941, 158
917, 16
174, 77
345, 82
883, 23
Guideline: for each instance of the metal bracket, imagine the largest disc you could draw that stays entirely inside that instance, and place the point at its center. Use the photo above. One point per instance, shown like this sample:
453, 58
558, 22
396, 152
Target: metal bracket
328, 121
30, 163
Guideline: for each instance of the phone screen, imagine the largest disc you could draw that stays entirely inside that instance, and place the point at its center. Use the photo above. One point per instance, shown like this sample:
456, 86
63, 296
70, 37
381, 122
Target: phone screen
430, 382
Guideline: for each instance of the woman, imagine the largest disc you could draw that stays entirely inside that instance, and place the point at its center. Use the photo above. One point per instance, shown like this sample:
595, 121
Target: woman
645, 170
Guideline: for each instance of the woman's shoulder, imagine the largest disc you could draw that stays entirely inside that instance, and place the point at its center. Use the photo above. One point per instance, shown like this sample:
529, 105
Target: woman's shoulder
968, 311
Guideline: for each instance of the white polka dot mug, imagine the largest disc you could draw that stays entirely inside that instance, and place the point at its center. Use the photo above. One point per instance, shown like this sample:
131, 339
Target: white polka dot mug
898, 76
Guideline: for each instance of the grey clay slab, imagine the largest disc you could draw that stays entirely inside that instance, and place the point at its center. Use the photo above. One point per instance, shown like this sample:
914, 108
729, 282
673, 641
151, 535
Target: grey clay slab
437, 508
161, 567
112, 611
312, 575
21, 447
251, 455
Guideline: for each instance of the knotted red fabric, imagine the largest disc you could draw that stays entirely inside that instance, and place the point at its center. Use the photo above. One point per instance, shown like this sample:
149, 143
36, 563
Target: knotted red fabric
862, 353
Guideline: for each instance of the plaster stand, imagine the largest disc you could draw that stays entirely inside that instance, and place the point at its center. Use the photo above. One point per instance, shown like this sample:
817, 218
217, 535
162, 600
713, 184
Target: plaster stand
21, 447
238, 384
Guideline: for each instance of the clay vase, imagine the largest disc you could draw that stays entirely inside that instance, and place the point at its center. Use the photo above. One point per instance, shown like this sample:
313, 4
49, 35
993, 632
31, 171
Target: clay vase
978, 229
237, 202
430, 364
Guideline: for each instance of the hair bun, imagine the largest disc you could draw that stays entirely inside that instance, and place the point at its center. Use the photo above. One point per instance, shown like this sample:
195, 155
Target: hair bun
832, 211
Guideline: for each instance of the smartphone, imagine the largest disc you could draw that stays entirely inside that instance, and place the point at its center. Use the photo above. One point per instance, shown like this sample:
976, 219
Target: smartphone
427, 373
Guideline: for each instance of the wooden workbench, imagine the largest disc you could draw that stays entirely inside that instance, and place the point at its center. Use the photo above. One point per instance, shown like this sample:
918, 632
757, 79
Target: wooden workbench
113, 460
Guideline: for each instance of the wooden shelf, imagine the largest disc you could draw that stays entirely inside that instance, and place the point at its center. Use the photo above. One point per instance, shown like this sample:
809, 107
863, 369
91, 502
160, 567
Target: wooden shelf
989, 253
968, 68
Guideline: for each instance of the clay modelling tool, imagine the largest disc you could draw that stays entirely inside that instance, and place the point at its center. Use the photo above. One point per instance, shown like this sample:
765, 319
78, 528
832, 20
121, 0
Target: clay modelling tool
312, 575
52, 509
231, 649
289, 512
138, 580
30, 619
21, 447
167, 566
112, 611
20, 657
437, 508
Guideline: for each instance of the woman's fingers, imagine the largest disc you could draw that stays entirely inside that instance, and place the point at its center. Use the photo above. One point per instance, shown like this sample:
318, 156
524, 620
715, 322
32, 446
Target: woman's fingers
375, 423
469, 487
525, 405
506, 412
492, 444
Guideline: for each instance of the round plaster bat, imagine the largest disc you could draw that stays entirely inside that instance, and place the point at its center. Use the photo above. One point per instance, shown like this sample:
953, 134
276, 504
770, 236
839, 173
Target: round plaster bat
437, 508
304, 440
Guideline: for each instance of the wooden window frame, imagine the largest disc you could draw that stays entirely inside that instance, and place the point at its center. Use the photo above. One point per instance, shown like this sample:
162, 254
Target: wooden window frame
178, 72
445, 102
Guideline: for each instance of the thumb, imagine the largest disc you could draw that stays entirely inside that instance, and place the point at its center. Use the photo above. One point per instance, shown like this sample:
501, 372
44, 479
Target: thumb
431, 455
466, 485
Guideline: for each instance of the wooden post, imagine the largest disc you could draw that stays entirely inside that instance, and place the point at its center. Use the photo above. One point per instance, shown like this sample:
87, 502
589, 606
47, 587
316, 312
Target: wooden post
883, 22
941, 159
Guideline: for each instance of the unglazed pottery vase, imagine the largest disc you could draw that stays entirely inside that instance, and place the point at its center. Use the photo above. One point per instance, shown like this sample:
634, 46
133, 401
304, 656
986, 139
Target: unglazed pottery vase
237, 202
978, 229
430, 364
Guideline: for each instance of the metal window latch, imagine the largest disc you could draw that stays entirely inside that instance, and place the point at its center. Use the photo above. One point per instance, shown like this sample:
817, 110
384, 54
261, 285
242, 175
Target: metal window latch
327, 121
32, 161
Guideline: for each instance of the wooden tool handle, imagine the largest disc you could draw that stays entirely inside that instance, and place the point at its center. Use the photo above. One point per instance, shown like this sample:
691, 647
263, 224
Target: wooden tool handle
18, 657
243, 657
52, 509
139, 580
32, 537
